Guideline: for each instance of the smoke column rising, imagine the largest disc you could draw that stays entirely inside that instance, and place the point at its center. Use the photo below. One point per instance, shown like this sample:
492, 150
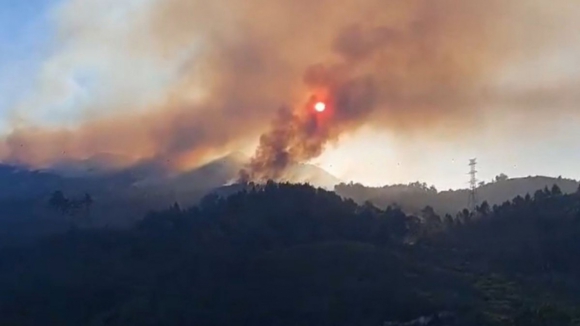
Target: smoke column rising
180, 80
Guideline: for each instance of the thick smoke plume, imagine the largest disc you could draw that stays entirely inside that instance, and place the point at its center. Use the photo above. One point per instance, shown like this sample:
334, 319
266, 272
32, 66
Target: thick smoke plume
435, 67
181, 80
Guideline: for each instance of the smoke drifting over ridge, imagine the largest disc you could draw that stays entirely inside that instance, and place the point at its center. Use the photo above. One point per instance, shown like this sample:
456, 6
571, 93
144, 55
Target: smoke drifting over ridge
219, 71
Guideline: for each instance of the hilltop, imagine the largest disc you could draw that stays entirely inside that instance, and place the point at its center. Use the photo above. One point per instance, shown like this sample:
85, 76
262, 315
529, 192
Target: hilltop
415, 196
122, 196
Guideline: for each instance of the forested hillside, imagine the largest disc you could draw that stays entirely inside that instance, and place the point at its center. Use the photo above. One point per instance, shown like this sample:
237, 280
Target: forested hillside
415, 196
282, 254
122, 195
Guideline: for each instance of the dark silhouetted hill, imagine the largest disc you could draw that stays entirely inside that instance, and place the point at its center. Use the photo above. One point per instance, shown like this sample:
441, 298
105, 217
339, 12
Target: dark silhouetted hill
284, 254
121, 194
97, 164
415, 196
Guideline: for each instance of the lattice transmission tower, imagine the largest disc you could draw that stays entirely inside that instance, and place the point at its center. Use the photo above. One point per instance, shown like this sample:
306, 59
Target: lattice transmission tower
472, 199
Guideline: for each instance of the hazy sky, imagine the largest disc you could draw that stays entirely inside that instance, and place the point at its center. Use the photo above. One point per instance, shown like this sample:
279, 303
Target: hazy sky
67, 61
25, 34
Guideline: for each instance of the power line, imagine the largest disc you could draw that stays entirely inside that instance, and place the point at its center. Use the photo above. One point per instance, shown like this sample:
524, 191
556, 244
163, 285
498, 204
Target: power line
472, 199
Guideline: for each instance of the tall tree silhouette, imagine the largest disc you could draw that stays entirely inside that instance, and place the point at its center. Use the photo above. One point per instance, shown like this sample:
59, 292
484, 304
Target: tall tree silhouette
59, 202
484, 208
556, 191
501, 177
87, 202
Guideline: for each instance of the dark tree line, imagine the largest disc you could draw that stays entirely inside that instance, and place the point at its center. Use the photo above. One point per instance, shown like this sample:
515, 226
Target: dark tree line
284, 214
58, 201
282, 254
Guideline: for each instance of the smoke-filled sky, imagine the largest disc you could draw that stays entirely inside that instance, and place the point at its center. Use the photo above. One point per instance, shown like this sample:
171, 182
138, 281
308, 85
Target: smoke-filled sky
414, 87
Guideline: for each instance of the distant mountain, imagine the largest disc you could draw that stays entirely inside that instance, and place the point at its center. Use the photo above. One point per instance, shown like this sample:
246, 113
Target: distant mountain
301, 173
415, 196
105, 174
21, 182
150, 184
308, 173
499, 192
122, 195
97, 164
213, 174
206, 177
225, 170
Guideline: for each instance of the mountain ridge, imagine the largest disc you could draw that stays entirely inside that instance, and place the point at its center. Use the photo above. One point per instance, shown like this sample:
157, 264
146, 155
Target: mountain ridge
415, 196
148, 179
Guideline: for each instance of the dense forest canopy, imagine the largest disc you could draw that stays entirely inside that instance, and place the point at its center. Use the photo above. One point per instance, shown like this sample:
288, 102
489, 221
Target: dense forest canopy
286, 254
